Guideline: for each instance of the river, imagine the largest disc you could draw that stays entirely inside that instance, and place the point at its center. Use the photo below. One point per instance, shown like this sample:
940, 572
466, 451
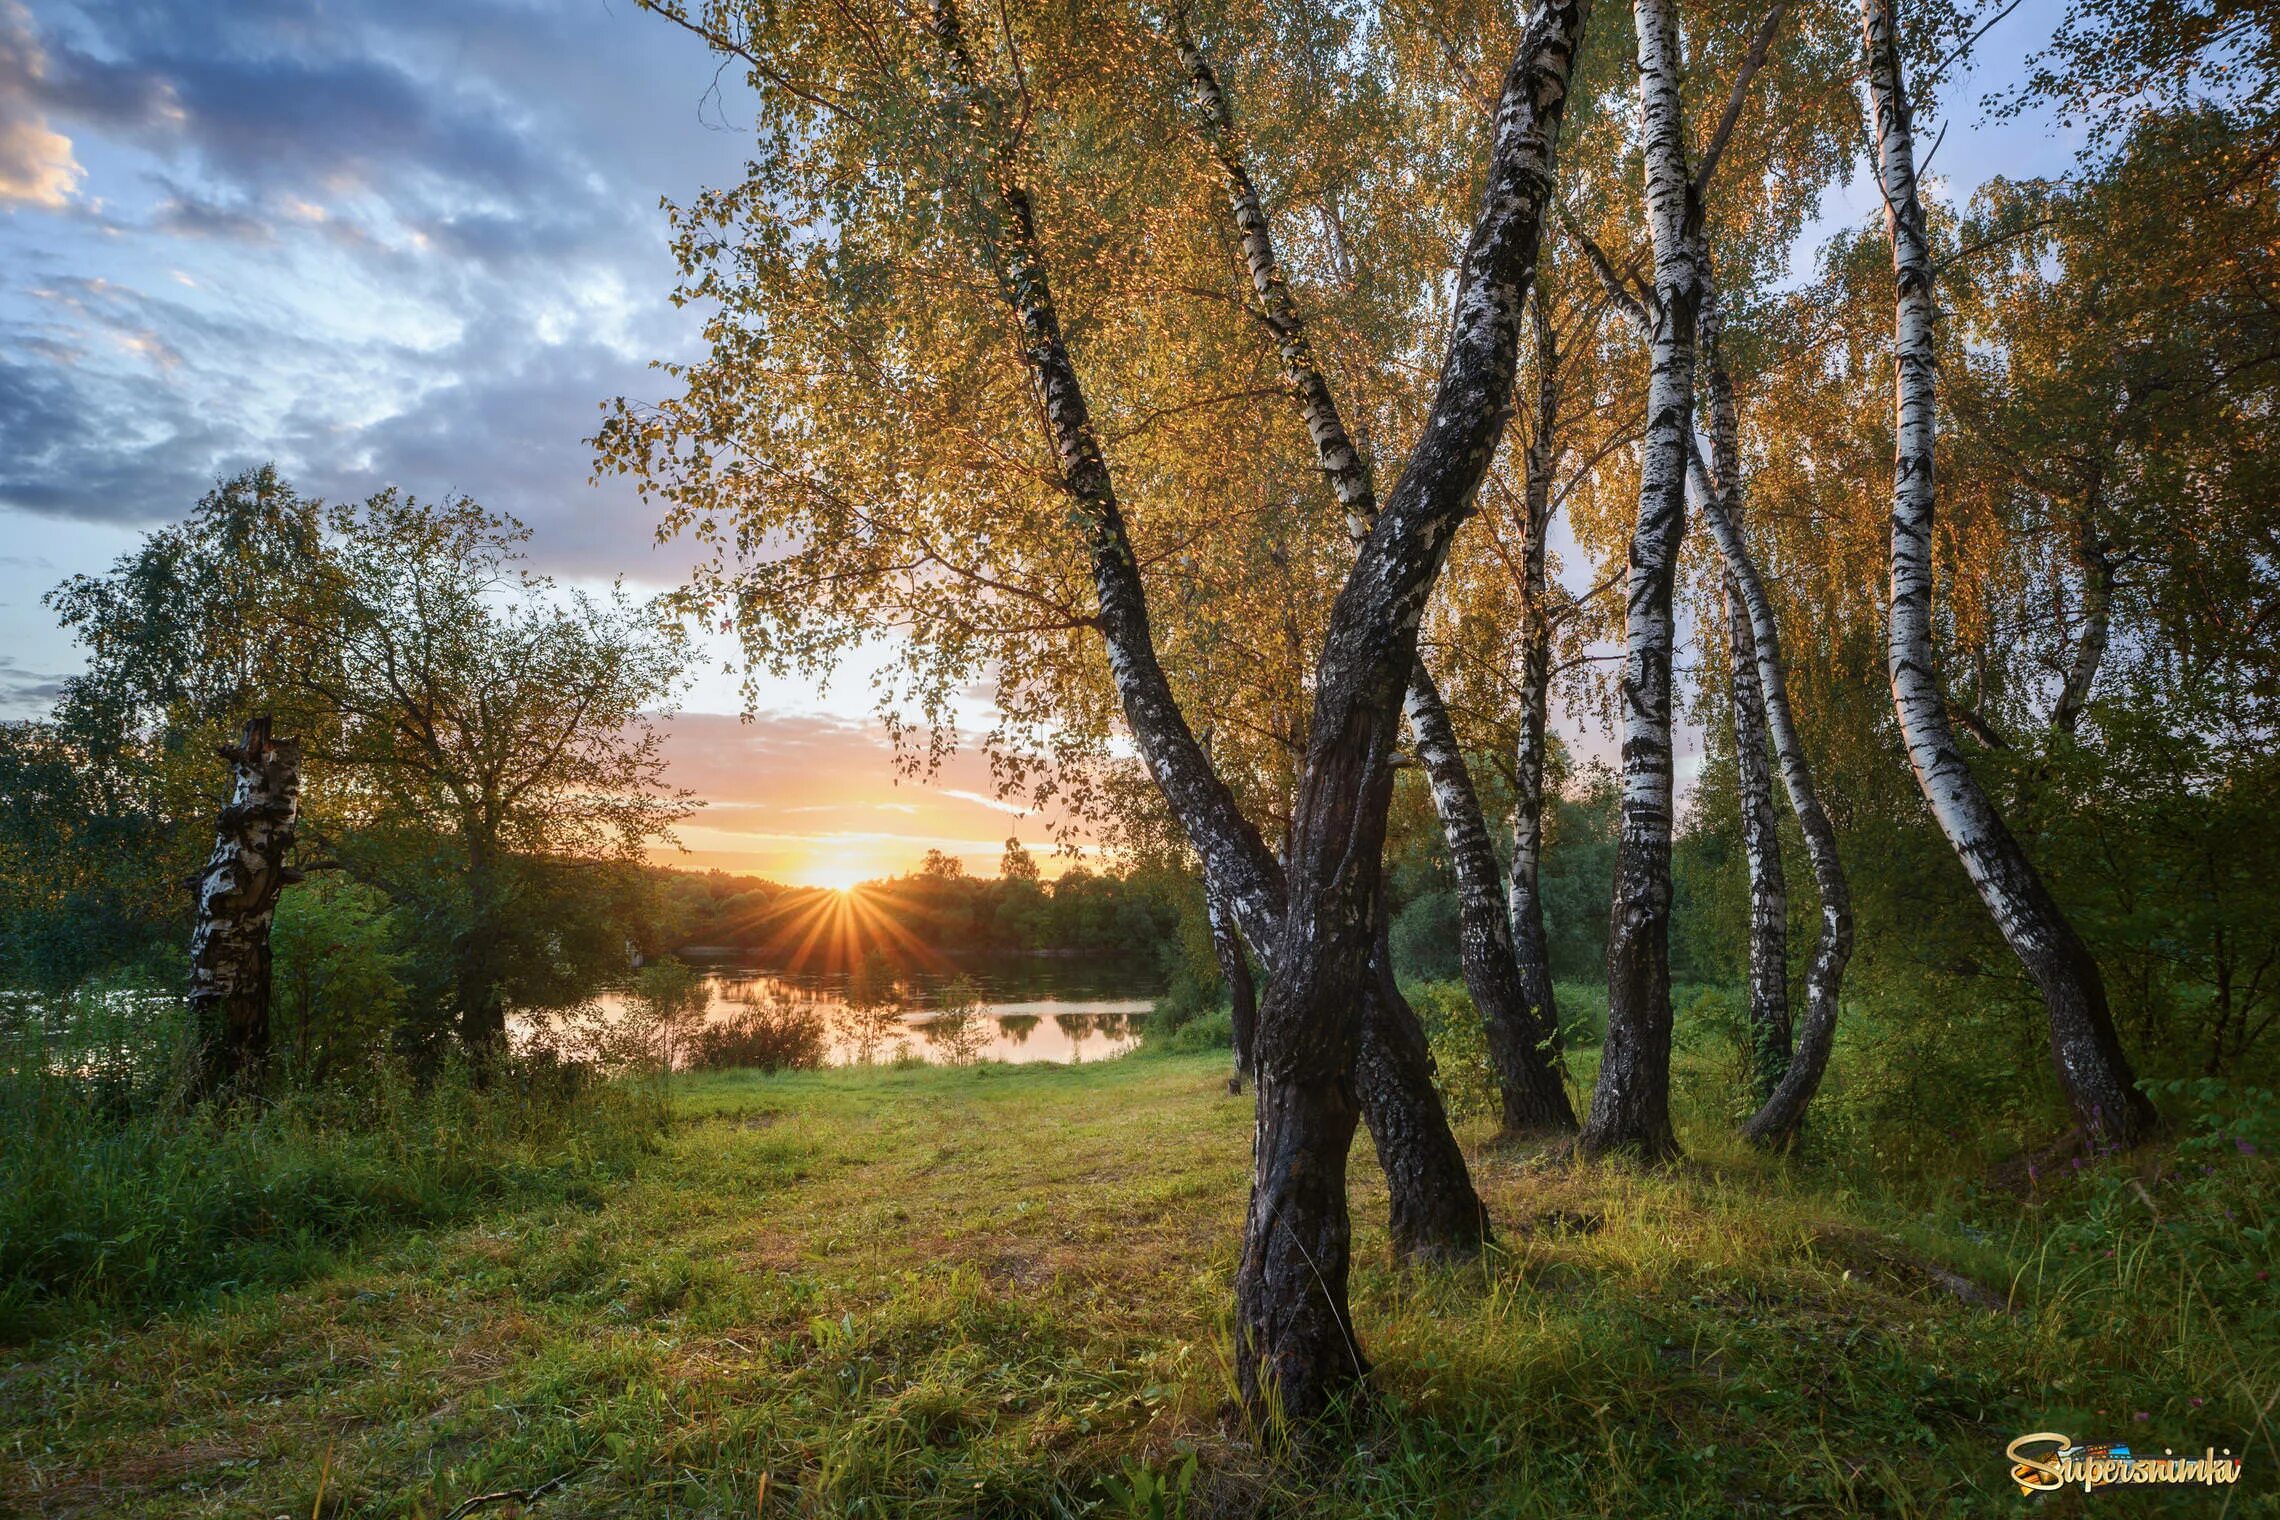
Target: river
1027, 1008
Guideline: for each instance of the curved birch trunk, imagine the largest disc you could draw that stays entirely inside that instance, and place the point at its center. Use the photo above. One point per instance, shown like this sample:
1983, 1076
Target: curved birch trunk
1523, 894
237, 900
1776, 1121
1434, 1213
1630, 1108
1370, 648
1768, 1014
2092, 1069
1519, 1037
1535, 1099
1295, 1348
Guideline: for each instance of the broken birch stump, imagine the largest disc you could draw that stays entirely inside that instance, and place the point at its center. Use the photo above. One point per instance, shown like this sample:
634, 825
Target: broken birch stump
237, 897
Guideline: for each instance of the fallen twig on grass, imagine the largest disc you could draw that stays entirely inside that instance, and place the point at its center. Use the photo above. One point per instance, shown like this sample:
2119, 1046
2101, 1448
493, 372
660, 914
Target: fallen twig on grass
514, 1495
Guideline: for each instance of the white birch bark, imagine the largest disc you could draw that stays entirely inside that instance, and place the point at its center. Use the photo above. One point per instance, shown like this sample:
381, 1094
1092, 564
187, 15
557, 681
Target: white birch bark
2091, 1066
2095, 555
1776, 1121
1523, 895
1768, 980
237, 901
1630, 1108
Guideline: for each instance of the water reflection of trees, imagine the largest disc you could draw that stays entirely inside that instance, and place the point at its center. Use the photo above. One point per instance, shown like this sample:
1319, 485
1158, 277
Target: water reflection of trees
1078, 1027
1018, 1027
961, 1031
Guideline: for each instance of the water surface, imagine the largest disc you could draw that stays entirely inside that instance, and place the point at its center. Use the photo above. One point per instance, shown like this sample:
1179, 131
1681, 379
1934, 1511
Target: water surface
1029, 1008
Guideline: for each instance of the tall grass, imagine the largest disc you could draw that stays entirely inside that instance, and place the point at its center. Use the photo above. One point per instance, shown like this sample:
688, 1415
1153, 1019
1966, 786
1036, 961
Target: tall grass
118, 1198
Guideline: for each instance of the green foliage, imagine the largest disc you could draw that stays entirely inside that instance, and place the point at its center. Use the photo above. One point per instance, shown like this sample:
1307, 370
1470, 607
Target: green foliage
1459, 1043
1213, 1029
669, 997
116, 1201
338, 983
480, 748
959, 1029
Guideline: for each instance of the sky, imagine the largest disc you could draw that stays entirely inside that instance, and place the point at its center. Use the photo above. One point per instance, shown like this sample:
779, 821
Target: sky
419, 242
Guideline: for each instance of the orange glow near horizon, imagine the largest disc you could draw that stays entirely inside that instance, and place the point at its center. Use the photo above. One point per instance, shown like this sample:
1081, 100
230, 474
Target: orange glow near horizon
817, 802
823, 929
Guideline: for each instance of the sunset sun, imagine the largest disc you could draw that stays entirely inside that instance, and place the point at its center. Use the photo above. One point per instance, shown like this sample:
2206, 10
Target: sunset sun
837, 875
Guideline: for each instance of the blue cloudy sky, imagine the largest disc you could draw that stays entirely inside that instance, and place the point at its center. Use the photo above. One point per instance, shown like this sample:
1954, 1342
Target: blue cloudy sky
417, 242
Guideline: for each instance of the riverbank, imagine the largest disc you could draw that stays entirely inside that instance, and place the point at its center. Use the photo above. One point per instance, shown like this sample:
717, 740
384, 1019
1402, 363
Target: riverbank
1002, 1291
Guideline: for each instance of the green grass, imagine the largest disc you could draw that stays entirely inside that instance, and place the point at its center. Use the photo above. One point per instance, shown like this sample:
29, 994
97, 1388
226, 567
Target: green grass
1003, 1291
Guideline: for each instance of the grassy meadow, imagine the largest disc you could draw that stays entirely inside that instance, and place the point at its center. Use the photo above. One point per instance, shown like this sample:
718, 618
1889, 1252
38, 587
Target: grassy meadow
1002, 1290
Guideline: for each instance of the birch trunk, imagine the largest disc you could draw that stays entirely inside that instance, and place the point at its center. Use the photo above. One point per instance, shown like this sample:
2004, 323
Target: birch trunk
1519, 1036
1768, 1013
1524, 901
1296, 1352
2092, 1069
2096, 557
1234, 859
1720, 496
1776, 1121
1534, 1097
1630, 1109
1370, 648
1436, 1215
237, 899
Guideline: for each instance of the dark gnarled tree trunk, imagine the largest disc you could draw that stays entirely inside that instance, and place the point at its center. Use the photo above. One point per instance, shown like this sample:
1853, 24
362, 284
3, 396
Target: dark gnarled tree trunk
237, 898
1520, 1034
1436, 1215
1295, 1347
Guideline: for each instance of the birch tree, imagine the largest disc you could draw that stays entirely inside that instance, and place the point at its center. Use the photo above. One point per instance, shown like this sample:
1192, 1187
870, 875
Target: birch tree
972, 113
230, 956
1520, 1021
2092, 1069
1630, 1107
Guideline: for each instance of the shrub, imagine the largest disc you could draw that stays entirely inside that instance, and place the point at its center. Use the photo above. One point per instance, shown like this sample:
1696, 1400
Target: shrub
960, 1030
339, 980
772, 1034
1459, 1043
1214, 1030
671, 993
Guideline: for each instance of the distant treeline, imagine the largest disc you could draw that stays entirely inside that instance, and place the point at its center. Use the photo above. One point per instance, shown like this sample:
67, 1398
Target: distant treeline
940, 907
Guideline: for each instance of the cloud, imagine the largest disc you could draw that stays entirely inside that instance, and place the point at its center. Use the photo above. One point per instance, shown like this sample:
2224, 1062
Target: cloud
25, 693
995, 804
36, 163
409, 242
186, 213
